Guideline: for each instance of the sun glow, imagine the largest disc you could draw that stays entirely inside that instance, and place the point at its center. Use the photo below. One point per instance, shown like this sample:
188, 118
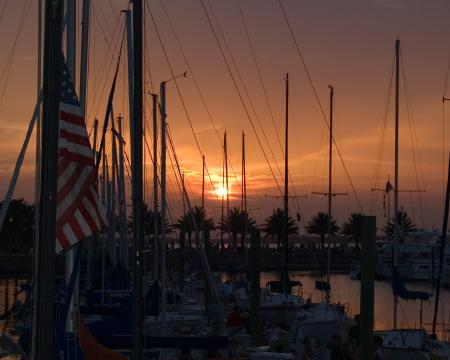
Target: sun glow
221, 192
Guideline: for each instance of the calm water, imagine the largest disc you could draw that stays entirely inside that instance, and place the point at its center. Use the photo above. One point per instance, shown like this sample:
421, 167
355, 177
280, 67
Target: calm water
347, 291
344, 290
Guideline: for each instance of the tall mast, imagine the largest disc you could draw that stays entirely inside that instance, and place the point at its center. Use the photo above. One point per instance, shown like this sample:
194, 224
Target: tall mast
38, 121
244, 185
155, 186
330, 191
44, 296
442, 251
163, 204
122, 204
226, 172
223, 197
137, 186
84, 53
286, 192
114, 186
71, 38
397, 105
130, 66
184, 192
203, 182
244, 189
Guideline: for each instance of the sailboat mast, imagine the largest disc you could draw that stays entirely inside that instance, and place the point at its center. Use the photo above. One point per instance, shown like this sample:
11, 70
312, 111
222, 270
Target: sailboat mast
163, 204
286, 191
38, 123
84, 53
203, 182
223, 197
244, 184
442, 251
44, 282
226, 173
137, 186
122, 204
244, 189
71, 38
155, 187
330, 188
397, 76
114, 182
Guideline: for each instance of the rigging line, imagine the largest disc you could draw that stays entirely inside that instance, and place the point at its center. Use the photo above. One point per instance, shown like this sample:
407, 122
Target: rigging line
7, 69
171, 159
2, 12
147, 56
158, 179
151, 154
179, 92
319, 103
381, 141
412, 132
183, 194
261, 81
241, 80
443, 127
105, 67
108, 67
105, 37
258, 70
102, 13
194, 79
239, 93
316, 164
169, 132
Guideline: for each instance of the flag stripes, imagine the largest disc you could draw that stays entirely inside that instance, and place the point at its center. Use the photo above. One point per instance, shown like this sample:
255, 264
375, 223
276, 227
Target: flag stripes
79, 210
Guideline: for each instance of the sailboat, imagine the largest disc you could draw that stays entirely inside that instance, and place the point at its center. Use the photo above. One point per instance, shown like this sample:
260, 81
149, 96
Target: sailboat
320, 321
401, 343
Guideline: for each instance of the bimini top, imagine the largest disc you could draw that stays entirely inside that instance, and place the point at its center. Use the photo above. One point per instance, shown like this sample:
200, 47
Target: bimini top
276, 286
399, 288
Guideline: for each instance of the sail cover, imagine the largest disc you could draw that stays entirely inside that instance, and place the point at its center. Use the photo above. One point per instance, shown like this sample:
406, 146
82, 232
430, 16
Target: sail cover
79, 211
399, 288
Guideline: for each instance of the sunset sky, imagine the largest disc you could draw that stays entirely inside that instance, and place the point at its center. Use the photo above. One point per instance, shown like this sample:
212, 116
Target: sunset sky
349, 44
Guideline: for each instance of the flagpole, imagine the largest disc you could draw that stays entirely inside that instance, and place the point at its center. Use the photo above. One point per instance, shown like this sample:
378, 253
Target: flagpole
71, 35
44, 295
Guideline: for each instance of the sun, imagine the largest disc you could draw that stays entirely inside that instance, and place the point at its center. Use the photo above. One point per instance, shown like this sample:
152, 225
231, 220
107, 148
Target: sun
221, 192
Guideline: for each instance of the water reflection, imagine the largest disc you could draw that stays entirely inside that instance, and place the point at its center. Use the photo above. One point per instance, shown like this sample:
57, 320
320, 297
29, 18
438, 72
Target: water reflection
347, 291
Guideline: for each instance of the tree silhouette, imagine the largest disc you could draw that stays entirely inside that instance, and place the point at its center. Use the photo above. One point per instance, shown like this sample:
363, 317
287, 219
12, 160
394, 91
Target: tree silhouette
17, 232
194, 216
404, 223
274, 226
352, 227
318, 225
149, 223
238, 222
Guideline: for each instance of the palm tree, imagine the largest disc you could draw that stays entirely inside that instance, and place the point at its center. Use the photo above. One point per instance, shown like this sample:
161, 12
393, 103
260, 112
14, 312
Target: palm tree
17, 232
352, 228
405, 225
238, 222
195, 216
274, 226
149, 222
318, 225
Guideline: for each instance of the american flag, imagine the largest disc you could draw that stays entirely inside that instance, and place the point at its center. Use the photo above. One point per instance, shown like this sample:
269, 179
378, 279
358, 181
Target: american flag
79, 210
